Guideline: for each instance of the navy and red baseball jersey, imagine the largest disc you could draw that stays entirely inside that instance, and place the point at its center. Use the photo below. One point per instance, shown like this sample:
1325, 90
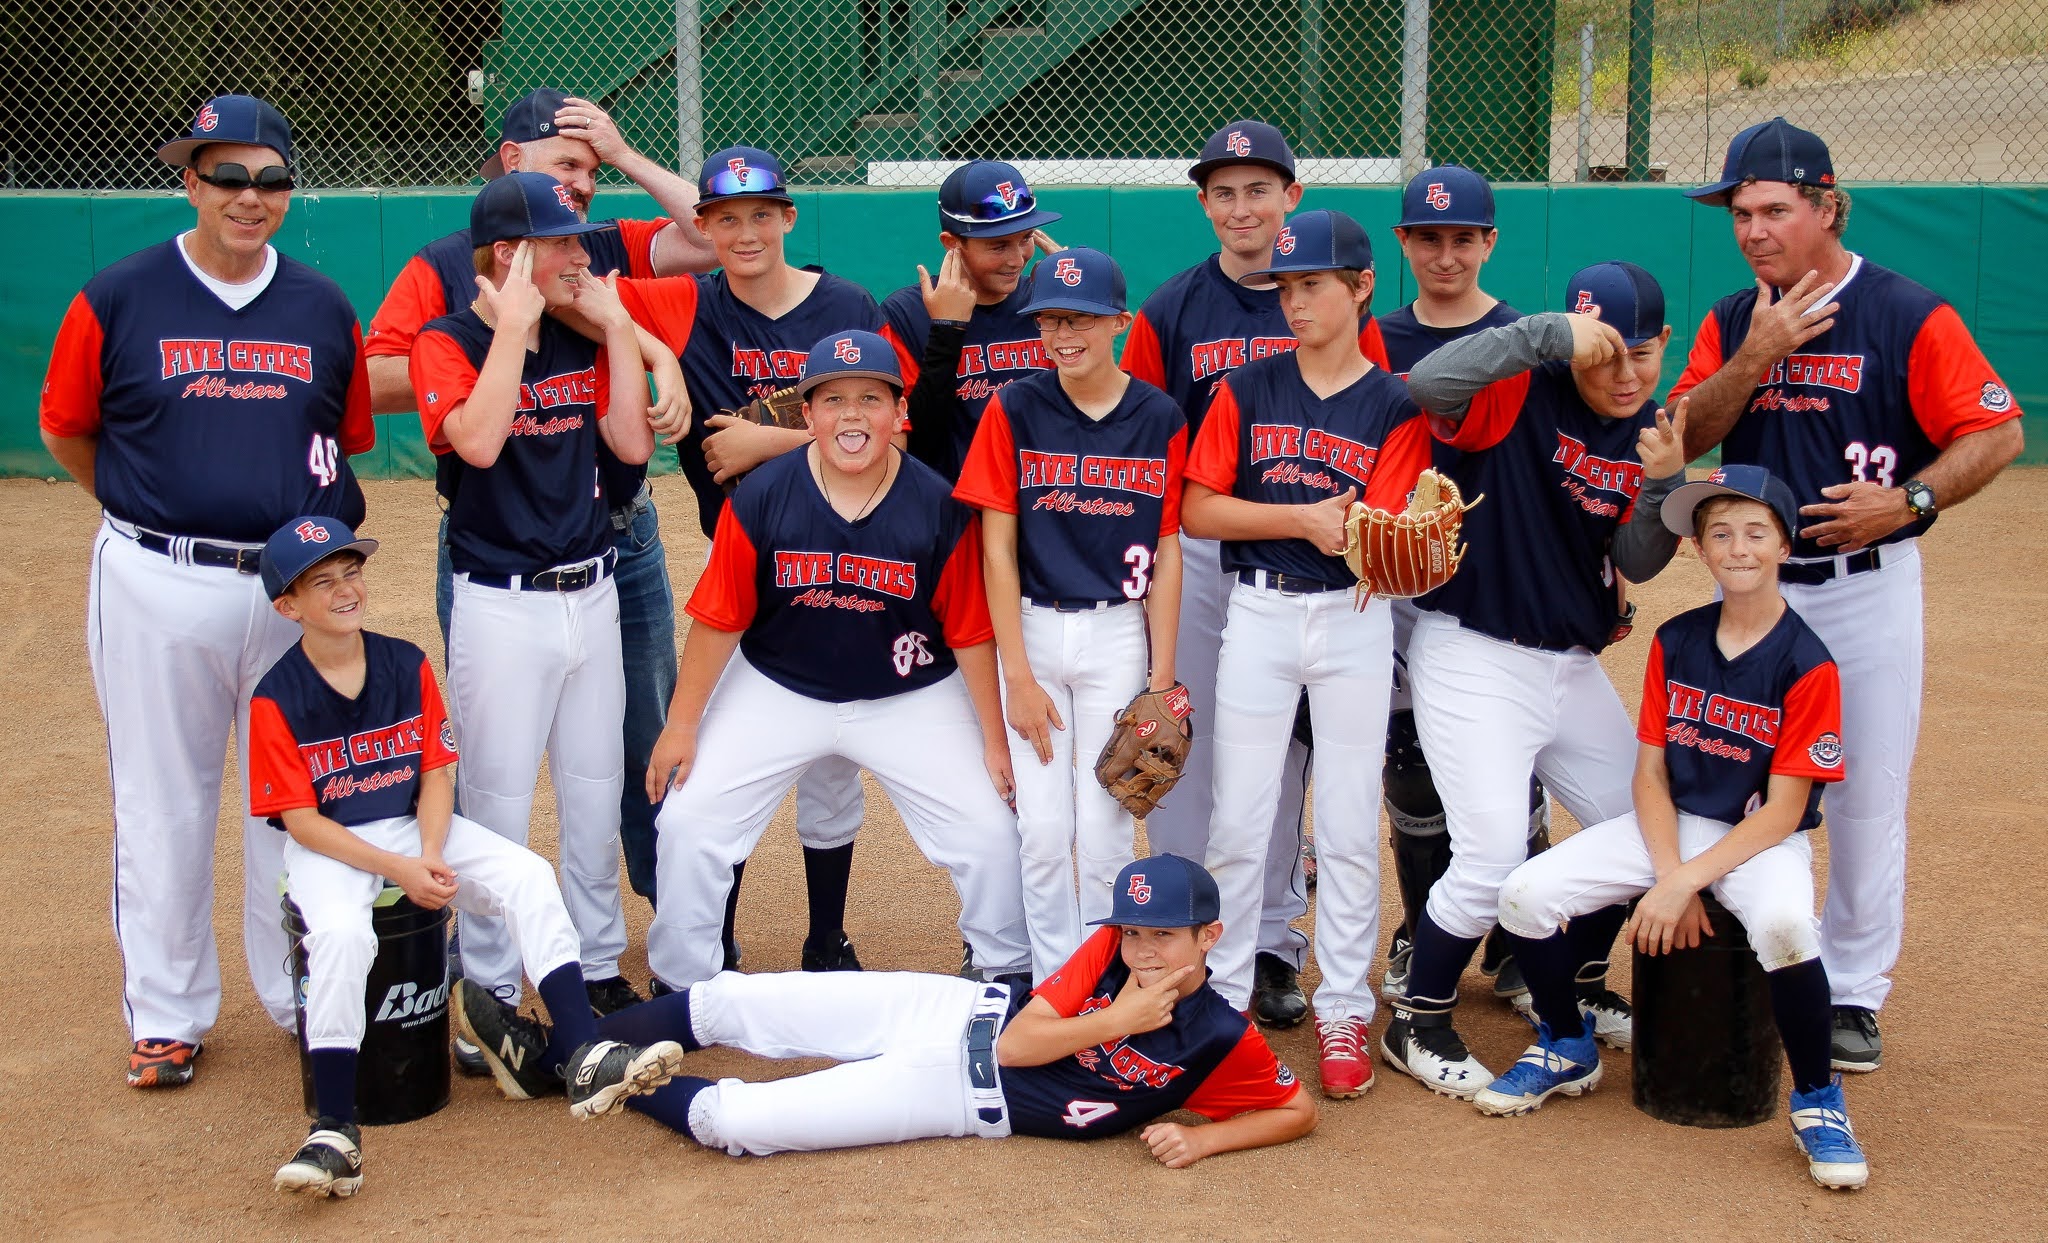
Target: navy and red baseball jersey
1407, 340
1091, 496
1209, 1059
442, 276
998, 347
1558, 480
1877, 397
352, 760
1270, 439
541, 503
839, 610
213, 422
1727, 726
1200, 324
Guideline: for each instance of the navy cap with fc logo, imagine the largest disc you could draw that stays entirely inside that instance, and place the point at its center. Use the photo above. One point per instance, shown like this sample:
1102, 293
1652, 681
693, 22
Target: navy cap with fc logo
1164, 891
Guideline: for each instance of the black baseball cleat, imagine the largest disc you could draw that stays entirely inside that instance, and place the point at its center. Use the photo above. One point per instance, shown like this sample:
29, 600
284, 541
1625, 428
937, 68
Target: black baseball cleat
610, 996
329, 1163
834, 955
513, 1045
1277, 999
1857, 1047
602, 1074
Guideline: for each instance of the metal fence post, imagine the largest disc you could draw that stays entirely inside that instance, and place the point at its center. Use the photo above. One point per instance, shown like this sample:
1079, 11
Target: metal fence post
1311, 75
689, 89
1586, 101
1642, 22
1414, 87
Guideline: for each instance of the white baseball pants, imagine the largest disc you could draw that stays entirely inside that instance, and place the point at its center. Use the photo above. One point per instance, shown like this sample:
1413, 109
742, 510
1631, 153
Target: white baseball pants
1092, 664
1488, 713
176, 650
1273, 646
924, 746
533, 673
493, 877
1602, 864
899, 1039
1180, 825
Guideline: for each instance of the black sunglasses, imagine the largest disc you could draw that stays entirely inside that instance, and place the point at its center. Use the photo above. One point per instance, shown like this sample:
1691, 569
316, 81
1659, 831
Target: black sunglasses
236, 177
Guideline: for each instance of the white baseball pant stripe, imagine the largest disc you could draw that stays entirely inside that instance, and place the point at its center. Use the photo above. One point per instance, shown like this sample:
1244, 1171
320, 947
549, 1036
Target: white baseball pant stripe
899, 1038
533, 673
1091, 664
924, 746
1273, 647
1873, 625
176, 650
1771, 892
493, 877
1180, 824
1488, 713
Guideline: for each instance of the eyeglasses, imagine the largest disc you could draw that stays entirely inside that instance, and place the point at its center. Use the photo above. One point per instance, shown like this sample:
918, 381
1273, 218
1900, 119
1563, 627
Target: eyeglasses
747, 179
1048, 322
994, 208
236, 177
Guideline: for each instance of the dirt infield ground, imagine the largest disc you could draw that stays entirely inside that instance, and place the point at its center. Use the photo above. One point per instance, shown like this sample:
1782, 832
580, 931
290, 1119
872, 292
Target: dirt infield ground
1952, 1123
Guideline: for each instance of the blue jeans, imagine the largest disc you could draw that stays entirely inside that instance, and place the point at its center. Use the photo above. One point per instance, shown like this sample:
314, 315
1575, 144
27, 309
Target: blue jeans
647, 641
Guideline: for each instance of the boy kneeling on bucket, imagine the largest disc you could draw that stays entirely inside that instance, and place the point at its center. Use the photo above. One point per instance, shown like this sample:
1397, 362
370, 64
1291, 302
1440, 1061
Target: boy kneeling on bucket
1740, 726
351, 754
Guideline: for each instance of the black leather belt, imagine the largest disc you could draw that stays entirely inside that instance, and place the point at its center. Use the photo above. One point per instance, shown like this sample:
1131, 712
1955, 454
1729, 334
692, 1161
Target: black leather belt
1072, 606
1288, 584
199, 552
560, 578
1814, 573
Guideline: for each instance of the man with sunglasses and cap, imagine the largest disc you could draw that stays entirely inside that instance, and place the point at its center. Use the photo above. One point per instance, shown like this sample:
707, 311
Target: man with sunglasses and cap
203, 390
963, 335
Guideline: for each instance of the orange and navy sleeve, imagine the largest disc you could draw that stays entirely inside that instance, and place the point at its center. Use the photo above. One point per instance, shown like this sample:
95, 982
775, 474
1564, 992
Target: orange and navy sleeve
665, 306
1402, 459
358, 429
72, 386
1705, 359
1213, 460
603, 378
1073, 984
725, 597
1810, 729
1656, 709
905, 359
414, 300
1372, 345
278, 779
988, 478
1141, 357
442, 378
1249, 1077
638, 235
960, 600
1950, 384
1489, 418
437, 750
1176, 481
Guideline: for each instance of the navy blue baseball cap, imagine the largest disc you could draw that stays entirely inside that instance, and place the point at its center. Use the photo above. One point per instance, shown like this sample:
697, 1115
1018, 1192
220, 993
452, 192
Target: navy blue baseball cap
741, 173
1244, 142
1625, 297
1751, 482
1077, 279
1164, 891
989, 198
1775, 150
1316, 241
301, 544
1450, 195
530, 118
855, 352
231, 118
525, 205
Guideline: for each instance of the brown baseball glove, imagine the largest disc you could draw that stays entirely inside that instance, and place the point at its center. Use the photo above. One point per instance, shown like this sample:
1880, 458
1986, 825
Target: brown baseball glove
1144, 756
782, 408
1406, 554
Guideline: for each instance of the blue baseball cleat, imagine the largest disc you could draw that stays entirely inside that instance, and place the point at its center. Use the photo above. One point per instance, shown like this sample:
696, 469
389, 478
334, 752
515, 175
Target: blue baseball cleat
1820, 1126
1548, 1067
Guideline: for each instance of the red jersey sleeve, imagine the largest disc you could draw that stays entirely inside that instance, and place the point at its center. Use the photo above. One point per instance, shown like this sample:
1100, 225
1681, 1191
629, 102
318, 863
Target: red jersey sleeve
442, 378
1656, 709
278, 780
1073, 984
1141, 353
724, 598
638, 235
1810, 731
71, 387
988, 479
1372, 345
1249, 1077
358, 429
1490, 417
438, 750
1950, 383
1212, 462
909, 362
666, 307
1704, 360
960, 601
1401, 459
414, 300
603, 375
1176, 482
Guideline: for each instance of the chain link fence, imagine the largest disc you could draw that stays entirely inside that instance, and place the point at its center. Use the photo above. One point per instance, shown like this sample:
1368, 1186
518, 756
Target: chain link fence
892, 92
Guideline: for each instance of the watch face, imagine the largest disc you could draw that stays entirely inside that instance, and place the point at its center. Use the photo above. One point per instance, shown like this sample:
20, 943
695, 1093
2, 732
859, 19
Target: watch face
1920, 498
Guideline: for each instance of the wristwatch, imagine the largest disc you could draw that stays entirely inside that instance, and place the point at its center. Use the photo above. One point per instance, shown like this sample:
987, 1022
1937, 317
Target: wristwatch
1919, 498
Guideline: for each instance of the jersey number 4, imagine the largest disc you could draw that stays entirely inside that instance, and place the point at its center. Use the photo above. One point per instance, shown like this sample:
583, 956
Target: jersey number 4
1868, 462
324, 460
1081, 1113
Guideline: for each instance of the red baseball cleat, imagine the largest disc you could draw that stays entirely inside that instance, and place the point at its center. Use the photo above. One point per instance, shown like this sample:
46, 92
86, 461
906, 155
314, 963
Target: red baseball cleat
1342, 1059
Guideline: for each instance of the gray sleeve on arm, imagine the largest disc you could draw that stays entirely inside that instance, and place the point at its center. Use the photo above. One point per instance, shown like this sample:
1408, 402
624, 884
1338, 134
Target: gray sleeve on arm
1644, 545
1446, 382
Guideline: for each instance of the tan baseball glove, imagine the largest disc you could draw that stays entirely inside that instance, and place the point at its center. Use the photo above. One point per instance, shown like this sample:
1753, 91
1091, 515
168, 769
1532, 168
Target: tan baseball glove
782, 408
1144, 756
1404, 555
